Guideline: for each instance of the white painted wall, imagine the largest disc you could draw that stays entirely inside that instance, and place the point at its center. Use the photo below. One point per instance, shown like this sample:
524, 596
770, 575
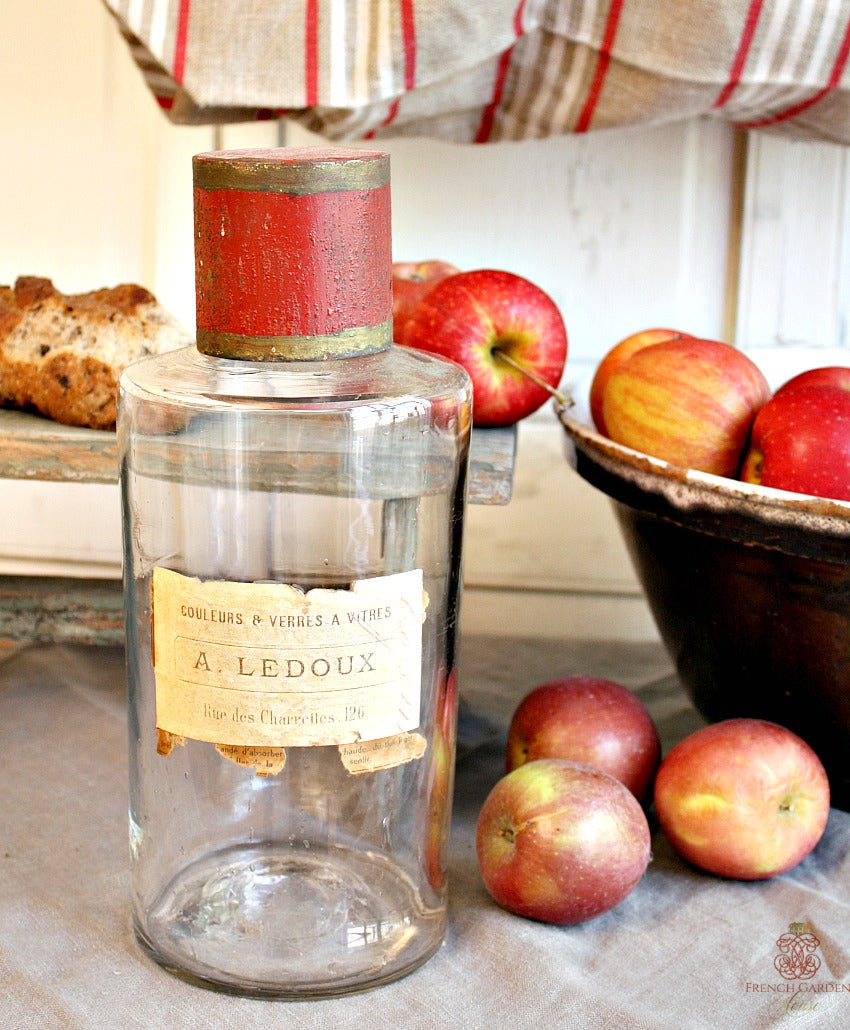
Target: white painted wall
795, 258
624, 229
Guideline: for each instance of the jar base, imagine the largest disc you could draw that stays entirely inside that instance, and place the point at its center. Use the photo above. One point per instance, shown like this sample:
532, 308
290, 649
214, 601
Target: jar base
280, 921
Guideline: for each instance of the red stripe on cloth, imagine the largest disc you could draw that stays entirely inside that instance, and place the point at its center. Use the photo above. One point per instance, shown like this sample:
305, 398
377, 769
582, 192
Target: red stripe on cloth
408, 43
486, 126
834, 79
391, 116
311, 53
602, 63
179, 66
408, 36
744, 45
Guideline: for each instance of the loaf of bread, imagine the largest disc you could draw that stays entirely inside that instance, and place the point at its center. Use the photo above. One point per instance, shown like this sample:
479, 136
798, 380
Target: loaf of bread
62, 355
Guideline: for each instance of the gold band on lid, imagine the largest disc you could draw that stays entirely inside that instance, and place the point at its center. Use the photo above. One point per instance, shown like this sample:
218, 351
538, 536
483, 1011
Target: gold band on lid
305, 170
347, 344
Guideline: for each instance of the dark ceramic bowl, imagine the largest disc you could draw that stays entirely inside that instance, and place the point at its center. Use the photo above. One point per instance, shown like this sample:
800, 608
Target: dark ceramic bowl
749, 588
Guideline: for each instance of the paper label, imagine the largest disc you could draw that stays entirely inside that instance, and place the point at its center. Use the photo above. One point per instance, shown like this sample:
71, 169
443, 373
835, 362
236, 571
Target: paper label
373, 755
265, 761
266, 665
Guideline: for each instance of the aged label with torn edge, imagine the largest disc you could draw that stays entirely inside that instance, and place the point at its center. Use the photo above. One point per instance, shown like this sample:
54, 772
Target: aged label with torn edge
255, 668
372, 755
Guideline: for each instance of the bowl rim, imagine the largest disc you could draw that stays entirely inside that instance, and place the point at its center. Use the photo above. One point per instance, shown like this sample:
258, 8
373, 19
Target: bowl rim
689, 491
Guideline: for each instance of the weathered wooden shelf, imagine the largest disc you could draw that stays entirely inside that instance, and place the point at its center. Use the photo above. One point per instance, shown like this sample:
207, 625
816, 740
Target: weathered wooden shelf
57, 610
89, 611
36, 448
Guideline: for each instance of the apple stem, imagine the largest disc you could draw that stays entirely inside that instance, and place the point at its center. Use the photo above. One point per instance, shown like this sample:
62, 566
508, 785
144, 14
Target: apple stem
565, 402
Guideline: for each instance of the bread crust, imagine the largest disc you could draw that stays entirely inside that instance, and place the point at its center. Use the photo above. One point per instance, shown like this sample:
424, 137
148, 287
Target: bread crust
62, 355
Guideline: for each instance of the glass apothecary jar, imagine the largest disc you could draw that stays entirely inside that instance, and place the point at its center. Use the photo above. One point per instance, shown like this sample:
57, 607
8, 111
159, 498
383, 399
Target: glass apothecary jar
293, 494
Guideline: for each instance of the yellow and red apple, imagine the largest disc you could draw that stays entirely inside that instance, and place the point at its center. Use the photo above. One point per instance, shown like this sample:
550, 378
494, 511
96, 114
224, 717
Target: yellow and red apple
561, 842
440, 779
742, 798
587, 719
688, 401
474, 317
614, 358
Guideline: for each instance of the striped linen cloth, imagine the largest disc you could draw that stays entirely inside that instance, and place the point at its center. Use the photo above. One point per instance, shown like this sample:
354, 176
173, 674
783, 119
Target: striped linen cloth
492, 70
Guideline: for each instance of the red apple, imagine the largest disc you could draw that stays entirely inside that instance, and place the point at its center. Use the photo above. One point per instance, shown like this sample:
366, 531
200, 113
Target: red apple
743, 798
829, 375
587, 719
801, 442
561, 842
687, 401
411, 282
614, 358
471, 318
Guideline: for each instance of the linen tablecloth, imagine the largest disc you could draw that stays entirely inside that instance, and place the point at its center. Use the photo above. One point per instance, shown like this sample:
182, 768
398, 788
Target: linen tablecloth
684, 950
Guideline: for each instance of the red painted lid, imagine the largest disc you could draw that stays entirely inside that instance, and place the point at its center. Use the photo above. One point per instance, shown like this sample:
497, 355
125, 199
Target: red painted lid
293, 253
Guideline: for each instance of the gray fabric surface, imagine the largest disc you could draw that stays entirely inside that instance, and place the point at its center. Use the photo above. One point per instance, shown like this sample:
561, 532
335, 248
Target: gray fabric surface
680, 952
